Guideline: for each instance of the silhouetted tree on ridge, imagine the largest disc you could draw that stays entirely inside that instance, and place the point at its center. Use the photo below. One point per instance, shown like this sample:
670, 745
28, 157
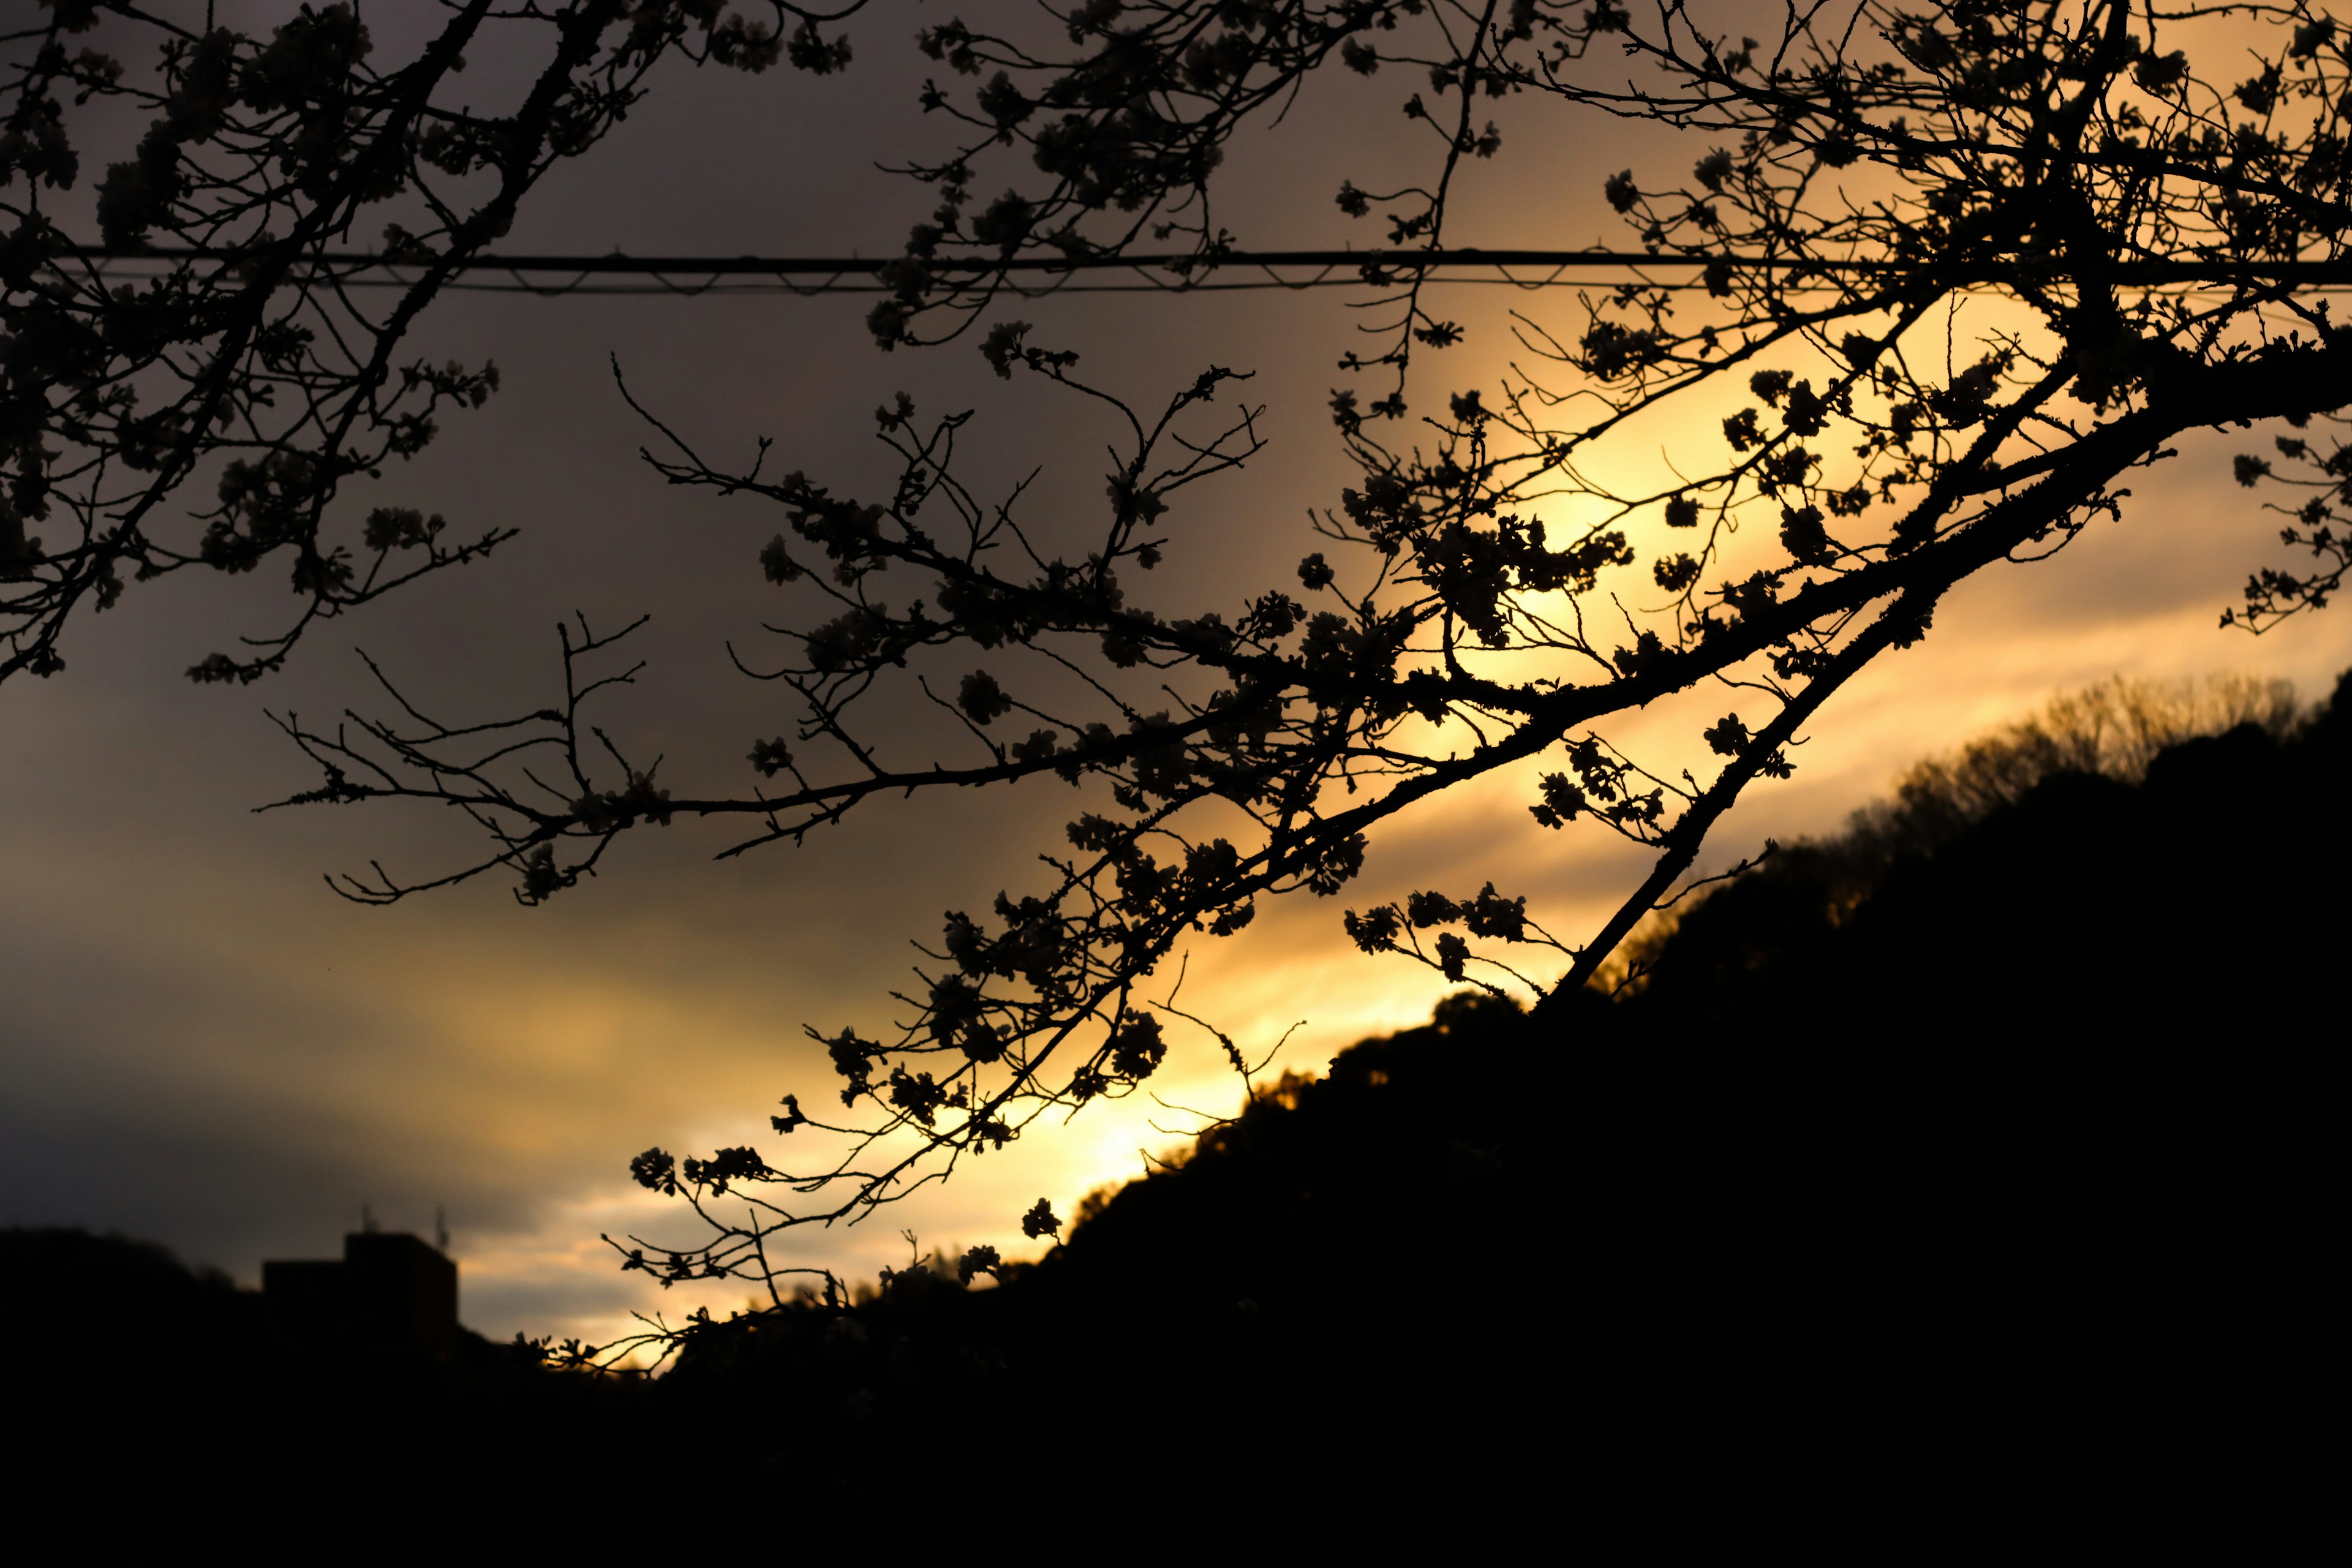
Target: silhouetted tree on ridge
2114, 729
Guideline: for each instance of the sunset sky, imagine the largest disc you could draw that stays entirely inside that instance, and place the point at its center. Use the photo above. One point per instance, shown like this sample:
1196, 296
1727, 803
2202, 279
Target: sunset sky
203, 1046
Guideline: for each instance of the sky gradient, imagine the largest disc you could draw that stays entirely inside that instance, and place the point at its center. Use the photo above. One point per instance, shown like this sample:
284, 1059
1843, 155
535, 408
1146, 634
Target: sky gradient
201, 1045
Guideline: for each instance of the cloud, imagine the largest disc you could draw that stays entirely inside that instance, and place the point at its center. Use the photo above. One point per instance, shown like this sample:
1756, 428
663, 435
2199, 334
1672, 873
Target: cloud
201, 1045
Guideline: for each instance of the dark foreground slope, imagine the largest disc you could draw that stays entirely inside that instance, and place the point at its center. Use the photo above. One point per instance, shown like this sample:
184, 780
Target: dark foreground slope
1973, 1196
1995, 1207
152, 1413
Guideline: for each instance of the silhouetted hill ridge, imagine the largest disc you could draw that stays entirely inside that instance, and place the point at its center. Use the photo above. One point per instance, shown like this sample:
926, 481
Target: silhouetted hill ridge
2003, 1178
1974, 1191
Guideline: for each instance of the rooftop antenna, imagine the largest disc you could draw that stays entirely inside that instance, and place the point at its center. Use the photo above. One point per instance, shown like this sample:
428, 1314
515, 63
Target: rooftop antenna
367, 1219
441, 1229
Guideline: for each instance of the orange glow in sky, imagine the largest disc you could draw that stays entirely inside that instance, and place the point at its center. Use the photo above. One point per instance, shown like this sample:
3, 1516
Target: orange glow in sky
203, 1046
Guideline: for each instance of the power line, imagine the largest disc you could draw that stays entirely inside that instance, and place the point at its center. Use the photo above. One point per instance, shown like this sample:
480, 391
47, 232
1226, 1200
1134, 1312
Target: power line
1188, 271
1177, 262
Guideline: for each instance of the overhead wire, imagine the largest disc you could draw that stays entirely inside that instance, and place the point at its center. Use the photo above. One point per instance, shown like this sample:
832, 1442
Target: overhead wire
1173, 272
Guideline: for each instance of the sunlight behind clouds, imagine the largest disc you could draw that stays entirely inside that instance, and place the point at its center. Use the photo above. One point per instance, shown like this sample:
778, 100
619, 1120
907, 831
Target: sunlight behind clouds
203, 1046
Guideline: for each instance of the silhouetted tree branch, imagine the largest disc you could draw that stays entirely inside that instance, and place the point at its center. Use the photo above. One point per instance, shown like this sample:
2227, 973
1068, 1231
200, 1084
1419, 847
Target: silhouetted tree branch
244, 360
1925, 332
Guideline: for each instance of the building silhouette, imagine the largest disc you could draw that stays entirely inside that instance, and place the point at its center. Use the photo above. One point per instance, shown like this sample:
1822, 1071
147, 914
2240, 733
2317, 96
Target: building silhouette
391, 1294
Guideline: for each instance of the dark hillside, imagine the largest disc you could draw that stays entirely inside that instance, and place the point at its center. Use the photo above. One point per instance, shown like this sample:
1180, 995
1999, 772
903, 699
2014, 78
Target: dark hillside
1966, 1186
155, 1413
99, 1329
1957, 1193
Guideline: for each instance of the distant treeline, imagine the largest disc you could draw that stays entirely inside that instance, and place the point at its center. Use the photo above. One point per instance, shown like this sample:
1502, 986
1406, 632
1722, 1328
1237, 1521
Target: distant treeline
1961, 1184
